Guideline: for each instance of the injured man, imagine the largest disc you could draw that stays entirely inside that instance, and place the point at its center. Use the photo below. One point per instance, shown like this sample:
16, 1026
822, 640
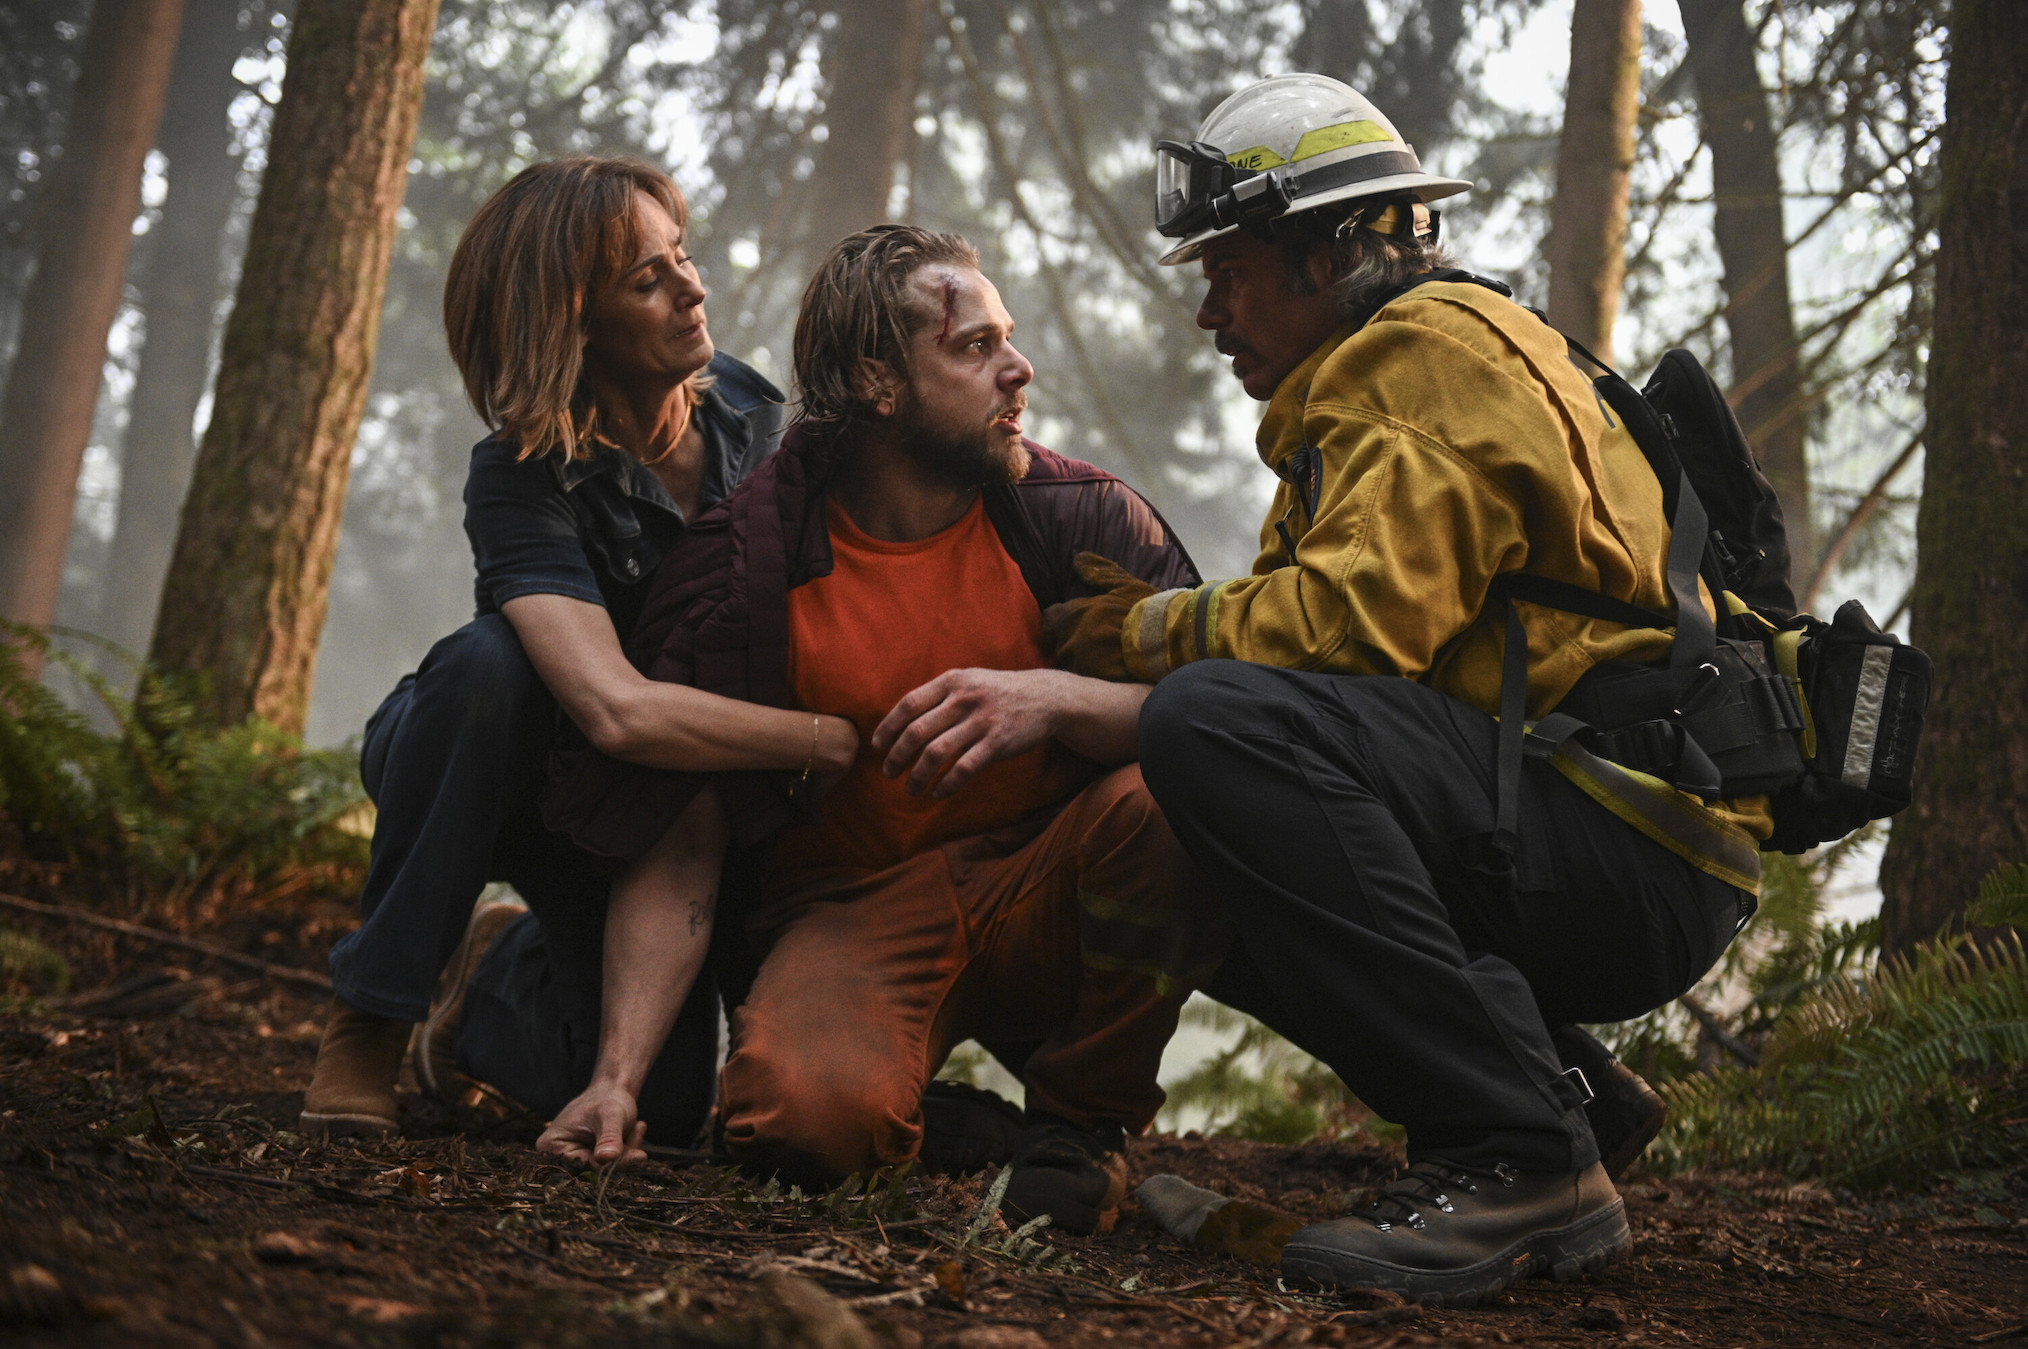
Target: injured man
991, 866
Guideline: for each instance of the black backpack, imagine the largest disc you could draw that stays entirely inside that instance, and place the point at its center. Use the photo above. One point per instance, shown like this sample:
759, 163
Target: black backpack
1862, 693
1823, 717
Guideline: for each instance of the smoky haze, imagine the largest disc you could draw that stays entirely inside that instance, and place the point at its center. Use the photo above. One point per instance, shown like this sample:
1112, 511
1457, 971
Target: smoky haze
1024, 126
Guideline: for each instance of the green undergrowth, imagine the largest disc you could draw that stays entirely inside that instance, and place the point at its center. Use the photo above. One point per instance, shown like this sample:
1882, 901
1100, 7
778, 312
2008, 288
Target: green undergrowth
148, 805
1811, 1057
2003, 898
1916, 1070
1261, 1087
30, 966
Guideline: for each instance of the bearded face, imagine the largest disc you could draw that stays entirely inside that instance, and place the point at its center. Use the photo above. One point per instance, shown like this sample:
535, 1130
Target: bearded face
959, 417
958, 443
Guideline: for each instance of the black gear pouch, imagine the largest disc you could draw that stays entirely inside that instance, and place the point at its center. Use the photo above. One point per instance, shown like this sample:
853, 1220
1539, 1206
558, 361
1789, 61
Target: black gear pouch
1865, 693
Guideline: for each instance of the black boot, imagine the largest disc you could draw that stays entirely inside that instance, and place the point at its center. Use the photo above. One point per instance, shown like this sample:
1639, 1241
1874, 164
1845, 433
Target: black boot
1076, 1176
966, 1128
1451, 1235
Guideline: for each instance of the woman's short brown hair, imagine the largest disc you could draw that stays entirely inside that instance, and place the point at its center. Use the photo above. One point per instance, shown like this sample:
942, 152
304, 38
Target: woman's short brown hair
858, 307
520, 286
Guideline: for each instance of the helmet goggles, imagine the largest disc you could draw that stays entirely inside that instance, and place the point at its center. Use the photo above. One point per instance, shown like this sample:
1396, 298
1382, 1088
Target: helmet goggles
1197, 187
1288, 146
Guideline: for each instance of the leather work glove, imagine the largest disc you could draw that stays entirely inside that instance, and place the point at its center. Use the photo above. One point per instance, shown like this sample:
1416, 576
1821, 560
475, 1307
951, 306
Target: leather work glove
1085, 634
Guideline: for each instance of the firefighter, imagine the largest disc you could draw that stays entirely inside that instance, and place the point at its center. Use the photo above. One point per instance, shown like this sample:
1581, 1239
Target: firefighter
1323, 736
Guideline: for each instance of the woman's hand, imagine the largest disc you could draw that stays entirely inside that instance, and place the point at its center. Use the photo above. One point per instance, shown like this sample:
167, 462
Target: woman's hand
599, 1128
835, 749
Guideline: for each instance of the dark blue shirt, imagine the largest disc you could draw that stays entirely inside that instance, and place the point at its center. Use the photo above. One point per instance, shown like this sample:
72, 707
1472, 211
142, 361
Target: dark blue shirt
596, 529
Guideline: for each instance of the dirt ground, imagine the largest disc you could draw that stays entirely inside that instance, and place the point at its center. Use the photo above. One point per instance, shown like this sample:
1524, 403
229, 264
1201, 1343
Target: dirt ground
151, 1193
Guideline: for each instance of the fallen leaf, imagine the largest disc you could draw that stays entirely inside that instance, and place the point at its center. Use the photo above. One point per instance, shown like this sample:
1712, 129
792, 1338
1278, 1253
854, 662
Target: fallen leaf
998, 1337
285, 1248
31, 1295
379, 1310
950, 1276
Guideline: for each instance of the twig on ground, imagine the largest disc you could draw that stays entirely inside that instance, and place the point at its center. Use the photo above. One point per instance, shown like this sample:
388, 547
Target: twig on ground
1715, 1028
287, 973
610, 1280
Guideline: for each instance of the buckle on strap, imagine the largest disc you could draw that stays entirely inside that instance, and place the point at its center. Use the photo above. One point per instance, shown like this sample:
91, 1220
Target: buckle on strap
1583, 1084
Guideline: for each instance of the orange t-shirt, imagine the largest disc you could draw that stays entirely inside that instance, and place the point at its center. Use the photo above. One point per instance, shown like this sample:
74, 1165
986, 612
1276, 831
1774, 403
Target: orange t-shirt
889, 618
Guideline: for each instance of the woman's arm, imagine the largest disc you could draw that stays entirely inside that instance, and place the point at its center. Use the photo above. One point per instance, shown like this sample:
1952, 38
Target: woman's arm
639, 720
658, 928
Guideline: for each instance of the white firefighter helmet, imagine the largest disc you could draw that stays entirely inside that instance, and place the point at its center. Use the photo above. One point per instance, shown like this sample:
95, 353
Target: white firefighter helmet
1287, 144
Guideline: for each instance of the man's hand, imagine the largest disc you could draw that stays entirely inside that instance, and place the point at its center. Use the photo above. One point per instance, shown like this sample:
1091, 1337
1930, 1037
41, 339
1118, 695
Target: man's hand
1084, 635
596, 1129
948, 729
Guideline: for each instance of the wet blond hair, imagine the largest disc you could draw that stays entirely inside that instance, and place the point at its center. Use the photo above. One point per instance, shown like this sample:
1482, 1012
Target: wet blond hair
858, 307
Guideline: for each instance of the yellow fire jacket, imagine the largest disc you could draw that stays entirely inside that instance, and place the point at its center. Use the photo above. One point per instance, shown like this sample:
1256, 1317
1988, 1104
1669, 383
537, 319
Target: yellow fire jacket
1447, 441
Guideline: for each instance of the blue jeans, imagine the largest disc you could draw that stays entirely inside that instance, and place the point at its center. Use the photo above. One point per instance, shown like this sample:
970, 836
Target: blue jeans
453, 760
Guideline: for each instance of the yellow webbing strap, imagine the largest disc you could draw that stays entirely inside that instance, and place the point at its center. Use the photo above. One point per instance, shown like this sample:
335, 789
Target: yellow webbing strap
1662, 813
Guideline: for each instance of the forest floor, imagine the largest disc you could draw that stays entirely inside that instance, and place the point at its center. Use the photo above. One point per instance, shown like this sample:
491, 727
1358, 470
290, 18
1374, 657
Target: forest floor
151, 1193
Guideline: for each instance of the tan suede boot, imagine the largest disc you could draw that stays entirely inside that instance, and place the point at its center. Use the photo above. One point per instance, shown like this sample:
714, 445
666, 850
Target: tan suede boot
352, 1086
432, 1049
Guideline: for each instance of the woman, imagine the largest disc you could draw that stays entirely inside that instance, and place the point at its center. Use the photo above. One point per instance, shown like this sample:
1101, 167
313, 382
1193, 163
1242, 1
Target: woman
577, 320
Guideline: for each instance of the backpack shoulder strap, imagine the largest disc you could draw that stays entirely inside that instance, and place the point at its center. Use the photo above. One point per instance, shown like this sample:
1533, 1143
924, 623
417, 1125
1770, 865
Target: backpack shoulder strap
1452, 274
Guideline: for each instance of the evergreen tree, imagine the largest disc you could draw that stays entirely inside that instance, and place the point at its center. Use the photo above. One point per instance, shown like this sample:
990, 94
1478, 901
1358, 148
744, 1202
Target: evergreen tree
1971, 592
85, 230
243, 609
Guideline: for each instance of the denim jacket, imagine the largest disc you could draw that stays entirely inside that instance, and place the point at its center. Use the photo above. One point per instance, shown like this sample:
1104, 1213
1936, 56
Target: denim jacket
596, 529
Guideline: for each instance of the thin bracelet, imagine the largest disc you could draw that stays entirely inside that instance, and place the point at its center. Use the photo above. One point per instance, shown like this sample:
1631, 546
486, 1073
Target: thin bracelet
816, 726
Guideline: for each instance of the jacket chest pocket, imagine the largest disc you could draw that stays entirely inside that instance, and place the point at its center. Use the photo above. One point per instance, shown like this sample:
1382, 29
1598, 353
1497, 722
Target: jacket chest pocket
612, 534
1303, 471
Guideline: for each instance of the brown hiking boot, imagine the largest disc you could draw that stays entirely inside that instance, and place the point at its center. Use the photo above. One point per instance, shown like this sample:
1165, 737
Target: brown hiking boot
352, 1086
1625, 1112
1450, 1235
432, 1053
1076, 1176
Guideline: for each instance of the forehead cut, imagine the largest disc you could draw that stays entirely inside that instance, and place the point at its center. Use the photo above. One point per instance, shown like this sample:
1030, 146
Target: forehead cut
954, 299
950, 306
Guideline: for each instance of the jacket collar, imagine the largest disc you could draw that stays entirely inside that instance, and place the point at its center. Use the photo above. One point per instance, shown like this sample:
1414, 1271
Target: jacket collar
1281, 428
727, 440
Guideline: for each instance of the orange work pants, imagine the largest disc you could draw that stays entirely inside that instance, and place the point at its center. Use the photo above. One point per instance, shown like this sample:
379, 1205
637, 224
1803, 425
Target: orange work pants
1086, 937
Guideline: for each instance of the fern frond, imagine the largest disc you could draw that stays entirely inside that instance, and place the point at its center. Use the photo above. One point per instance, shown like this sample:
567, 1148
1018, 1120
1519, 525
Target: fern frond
2003, 898
165, 803
1922, 1068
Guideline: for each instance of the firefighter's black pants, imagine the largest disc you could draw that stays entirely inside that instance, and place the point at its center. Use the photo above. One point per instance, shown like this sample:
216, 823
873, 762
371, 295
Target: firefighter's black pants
1347, 823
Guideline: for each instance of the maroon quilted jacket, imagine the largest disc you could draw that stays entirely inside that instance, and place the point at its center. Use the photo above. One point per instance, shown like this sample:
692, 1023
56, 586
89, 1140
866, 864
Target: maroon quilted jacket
717, 618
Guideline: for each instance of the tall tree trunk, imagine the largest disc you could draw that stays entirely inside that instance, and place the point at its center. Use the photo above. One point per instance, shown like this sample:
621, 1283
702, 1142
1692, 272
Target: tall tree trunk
243, 606
1587, 240
39, 49
869, 116
85, 231
1971, 588
179, 296
1753, 249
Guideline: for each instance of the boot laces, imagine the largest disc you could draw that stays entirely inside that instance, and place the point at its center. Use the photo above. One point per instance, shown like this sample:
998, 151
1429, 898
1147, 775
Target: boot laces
1425, 1184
